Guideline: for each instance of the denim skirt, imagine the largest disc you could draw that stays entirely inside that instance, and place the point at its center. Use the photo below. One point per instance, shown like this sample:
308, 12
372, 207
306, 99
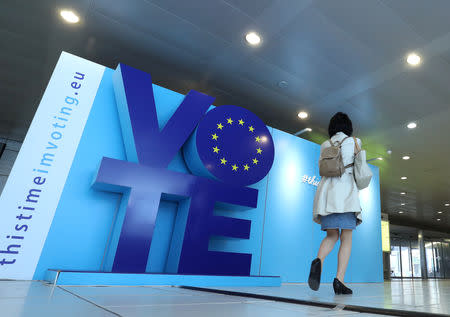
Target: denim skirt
345, 220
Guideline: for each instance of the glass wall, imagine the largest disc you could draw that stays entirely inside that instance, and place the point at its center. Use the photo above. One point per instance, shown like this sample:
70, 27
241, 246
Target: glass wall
405, 258
446, 257
415, 259
396, 264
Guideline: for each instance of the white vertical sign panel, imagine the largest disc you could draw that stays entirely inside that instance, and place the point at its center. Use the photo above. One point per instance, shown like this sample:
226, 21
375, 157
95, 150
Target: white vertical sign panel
32, 192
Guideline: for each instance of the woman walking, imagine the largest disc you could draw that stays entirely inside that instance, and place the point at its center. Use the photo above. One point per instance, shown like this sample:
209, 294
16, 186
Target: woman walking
336, 205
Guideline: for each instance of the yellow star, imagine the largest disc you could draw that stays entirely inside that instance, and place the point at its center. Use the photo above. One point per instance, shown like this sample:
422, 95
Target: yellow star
223, 161
255, 161
230, 121
241, 122
258, 139
259, 151
219, 126
215, 137
235, 168
246, 167
216, 149
251, 128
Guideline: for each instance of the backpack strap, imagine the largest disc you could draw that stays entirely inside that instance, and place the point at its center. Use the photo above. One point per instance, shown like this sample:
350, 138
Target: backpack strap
356, 151
340, 143
357, 148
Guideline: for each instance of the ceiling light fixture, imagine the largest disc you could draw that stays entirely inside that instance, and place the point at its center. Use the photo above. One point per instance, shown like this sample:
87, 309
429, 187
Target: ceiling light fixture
253, 38
438, 219
406, 157
439, 212
303, 115
402, 193
400, 212
283, 84
303, 131
446, 205
412, 125
380, 159
403, 204
69, 16
413, 59
404, 177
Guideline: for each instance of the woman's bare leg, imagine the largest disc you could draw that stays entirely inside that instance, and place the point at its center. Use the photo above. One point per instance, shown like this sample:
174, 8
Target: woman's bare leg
328, 243
344, 253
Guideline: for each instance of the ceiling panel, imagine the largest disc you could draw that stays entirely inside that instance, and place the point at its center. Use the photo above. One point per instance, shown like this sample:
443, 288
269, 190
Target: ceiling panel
214, 16
300, 59
301, 91
165, 26
430, 19
312, 30
374, 24
252, 8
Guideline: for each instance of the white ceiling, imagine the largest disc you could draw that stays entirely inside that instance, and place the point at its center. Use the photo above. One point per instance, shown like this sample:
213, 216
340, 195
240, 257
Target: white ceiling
346, 55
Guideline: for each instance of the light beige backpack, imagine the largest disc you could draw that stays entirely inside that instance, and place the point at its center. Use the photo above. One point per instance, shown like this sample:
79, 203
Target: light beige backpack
330, 162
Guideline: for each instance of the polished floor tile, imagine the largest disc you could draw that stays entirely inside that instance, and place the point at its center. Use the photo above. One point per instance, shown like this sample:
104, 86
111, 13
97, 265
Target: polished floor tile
432, 296
23, 299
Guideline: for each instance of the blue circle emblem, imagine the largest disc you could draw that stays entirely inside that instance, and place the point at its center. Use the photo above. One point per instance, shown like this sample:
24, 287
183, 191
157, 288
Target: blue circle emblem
235, 145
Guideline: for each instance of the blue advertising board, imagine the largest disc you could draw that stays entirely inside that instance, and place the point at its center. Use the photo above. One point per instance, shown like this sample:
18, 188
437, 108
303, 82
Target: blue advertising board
152, 181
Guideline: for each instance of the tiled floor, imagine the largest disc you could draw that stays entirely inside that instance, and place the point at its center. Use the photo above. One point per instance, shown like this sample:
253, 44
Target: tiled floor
39, 299
428, 296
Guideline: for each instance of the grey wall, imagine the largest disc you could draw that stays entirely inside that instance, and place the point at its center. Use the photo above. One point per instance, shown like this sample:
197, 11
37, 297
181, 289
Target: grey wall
7, 160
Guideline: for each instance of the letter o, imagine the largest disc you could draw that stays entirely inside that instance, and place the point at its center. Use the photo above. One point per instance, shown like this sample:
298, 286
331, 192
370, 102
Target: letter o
56, 135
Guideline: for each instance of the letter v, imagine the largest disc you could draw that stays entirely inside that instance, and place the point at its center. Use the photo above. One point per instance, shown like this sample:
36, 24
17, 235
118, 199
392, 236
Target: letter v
52, 147
144, 142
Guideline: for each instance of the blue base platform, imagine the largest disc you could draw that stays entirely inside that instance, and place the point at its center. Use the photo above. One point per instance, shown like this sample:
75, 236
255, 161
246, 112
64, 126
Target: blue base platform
61, 277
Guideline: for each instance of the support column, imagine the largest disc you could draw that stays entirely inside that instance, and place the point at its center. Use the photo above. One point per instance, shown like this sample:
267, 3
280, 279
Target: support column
423, 261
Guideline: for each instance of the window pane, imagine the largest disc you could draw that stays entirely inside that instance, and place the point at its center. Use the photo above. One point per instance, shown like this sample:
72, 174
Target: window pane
437, 252
446, 257
406, 260
430, 259
415, 253
415, 257
395, 261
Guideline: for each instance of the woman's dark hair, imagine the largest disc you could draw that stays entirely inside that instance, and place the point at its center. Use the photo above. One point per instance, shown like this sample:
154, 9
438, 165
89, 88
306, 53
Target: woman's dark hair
340, 123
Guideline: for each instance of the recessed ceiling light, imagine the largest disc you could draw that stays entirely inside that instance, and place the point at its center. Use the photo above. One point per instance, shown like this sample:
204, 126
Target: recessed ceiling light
283, 84
69, 16
446, 205
404, 177
406, 157
400, 212
403, 204
439, 212
412, 125
303, 115
402, 193
379, 158
253, 38
438, 219
413, 59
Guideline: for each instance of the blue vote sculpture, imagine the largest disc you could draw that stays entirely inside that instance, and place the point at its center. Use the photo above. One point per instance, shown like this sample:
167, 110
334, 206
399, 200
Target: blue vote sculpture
226, 148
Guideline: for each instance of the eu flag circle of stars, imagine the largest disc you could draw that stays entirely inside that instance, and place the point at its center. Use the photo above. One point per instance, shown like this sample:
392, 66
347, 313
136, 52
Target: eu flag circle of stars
228, 161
